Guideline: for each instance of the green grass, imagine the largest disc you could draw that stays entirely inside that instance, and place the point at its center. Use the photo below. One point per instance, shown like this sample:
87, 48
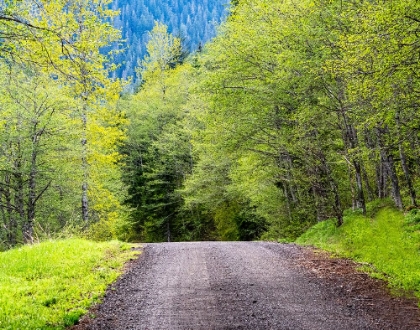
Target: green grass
388, 243
51, 284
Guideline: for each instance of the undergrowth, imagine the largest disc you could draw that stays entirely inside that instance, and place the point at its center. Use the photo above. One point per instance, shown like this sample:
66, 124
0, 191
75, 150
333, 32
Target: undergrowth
388, 243
52, 284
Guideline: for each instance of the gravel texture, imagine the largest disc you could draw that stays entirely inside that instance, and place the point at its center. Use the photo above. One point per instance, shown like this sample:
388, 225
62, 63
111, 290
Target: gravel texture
247, 285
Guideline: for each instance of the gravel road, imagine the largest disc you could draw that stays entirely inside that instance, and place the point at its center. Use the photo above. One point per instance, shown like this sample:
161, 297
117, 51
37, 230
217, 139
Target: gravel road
242, 285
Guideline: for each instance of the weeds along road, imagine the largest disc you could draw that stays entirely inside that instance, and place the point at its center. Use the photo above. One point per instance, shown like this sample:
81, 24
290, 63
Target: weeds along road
245, 285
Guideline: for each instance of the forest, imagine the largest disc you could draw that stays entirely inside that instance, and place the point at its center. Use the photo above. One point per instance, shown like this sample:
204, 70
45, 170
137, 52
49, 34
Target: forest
193, 21
294, 113
60, 127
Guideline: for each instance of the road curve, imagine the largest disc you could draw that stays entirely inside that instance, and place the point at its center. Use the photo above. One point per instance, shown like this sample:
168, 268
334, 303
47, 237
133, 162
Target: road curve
227, 285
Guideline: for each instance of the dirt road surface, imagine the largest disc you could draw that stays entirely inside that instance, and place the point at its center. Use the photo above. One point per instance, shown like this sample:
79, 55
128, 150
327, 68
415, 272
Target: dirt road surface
247, 285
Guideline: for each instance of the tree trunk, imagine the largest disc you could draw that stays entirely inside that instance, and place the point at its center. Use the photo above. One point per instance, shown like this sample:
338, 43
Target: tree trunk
61, 215
407, 175
29, 223
396, 193
338, 210
381, 178
388, 161
9, 217
289, 177
85, 200
371, 145
19, 204
286, 195
360, 196
351, 141
351, 184
404, 164
370, 191
19, 193
168, 230
415, 145
316, 203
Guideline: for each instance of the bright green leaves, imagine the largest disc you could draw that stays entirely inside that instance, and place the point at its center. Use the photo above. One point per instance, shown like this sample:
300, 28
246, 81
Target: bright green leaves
304, 107
293, 113
60, 36
164, 53
61, 129
40, 158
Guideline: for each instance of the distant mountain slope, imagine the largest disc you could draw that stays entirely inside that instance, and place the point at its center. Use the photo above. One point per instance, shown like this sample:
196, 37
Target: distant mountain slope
194, 21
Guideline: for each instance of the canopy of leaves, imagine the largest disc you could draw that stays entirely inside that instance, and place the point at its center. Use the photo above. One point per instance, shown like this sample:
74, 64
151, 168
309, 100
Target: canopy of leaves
297, 111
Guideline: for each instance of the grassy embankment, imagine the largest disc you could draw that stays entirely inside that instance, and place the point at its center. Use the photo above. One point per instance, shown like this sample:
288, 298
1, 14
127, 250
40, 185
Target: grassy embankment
388, 243
50, 285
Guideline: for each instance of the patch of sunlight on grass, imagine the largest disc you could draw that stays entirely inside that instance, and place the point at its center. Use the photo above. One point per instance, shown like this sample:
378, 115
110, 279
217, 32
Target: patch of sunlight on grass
51, 284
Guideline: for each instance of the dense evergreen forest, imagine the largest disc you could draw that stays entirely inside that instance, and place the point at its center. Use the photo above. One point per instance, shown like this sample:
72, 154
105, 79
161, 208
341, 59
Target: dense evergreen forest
294, 113
193, 21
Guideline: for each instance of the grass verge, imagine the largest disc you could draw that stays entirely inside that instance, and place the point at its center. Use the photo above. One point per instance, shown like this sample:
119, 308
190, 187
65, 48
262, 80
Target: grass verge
52, 284
388, 244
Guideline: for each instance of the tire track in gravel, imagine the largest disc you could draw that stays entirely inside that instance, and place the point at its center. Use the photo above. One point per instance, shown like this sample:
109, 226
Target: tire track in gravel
232, 285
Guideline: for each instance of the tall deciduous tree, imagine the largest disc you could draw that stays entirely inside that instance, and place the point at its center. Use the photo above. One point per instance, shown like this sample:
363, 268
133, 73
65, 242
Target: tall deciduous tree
55, 82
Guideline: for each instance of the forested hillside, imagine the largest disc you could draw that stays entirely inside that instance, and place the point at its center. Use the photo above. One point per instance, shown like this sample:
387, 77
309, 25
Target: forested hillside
294, 113
192, 20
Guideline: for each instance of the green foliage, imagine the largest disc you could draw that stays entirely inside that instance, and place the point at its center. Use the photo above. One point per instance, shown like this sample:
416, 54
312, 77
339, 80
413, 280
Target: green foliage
158, 149
413, 217
41, 127
293, 113
50, 285
61, 37
59, 129
306, 113
375, 206
385, 243
413, 222
164, 52
226, 225
250, 225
